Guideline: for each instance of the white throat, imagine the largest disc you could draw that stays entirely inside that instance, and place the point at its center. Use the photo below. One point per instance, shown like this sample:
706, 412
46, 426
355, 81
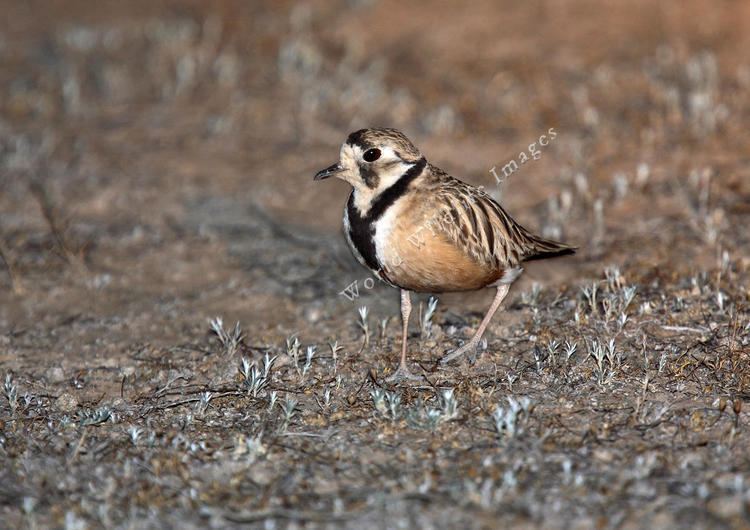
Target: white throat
364, 197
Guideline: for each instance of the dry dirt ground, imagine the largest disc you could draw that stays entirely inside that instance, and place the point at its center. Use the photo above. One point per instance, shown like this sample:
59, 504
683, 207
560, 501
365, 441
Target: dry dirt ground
155, 174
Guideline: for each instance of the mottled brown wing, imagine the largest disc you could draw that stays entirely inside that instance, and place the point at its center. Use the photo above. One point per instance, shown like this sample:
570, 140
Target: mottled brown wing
479, 225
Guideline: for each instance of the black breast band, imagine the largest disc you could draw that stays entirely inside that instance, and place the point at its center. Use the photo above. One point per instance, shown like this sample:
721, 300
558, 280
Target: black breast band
362, 228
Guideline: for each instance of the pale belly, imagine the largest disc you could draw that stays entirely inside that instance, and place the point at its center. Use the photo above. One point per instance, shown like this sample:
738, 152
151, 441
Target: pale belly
429, 262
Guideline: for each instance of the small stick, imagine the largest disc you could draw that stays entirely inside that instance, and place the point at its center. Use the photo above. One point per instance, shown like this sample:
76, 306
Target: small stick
684, 329
77, 450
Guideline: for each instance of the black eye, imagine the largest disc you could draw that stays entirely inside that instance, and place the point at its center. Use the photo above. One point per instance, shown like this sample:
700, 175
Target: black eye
371, 155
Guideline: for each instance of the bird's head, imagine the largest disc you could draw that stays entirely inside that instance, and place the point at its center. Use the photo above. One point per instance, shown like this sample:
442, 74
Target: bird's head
372, 160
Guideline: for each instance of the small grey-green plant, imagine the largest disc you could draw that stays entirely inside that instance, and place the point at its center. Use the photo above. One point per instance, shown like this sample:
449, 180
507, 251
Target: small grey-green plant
253, 379
232, 339
621, 184
292, 349
615, 279
384, 327
197, 447
567, 469
205, 399
642, 174
186, 420
363, 325
28, 400
610, 307
512, 378
510, 480
426, 322
536, 317
450, 405
590, 294
134, 434
335, 349
272, 397
254, 447
581, 184
597, 352
245, 368
509, 420
289, 408
420, 417
600, 227
308, 360
378, 400
570, 350
433, 418
608, 360
11, 393
327, 398
614, 356
96, 416
505, 422
627, 296
74, 522
662, 361
725, 262
531, 297
552, 347
28, 505
394, 404
268, 365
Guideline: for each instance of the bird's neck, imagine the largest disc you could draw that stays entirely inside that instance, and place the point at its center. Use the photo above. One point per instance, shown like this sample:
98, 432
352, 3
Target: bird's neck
373, 203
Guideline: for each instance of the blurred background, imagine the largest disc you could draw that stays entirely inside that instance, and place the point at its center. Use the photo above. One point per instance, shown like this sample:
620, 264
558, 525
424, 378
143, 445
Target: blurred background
157, 156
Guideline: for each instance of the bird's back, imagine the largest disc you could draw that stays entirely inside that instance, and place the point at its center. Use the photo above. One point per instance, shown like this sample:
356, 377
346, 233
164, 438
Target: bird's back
479, 224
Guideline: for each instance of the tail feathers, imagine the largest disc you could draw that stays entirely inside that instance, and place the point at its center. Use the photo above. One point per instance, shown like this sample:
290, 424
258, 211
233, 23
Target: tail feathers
539, 248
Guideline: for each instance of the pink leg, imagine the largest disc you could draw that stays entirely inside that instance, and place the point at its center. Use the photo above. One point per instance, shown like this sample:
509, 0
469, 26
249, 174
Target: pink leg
502, 292
403, 371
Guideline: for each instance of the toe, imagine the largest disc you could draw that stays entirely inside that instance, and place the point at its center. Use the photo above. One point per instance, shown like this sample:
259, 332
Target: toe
458, 353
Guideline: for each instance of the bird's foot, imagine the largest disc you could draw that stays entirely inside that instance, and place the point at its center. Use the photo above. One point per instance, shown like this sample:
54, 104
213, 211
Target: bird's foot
402, 374
470, 346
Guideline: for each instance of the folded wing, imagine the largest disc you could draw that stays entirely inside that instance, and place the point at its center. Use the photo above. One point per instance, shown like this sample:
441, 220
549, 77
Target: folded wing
482, 229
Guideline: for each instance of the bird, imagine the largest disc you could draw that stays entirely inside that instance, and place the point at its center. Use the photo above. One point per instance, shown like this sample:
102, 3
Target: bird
419, 229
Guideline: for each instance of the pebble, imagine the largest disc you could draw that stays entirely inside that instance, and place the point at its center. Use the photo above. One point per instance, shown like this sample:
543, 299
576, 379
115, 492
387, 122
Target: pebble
55, 375
313, 314
67, 402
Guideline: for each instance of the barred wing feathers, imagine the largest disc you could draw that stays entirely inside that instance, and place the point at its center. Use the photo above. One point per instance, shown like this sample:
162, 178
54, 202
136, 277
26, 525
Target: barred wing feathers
479, 225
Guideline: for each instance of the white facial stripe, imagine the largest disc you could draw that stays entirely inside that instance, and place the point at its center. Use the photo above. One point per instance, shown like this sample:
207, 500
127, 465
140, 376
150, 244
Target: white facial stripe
389, 166
389, 176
